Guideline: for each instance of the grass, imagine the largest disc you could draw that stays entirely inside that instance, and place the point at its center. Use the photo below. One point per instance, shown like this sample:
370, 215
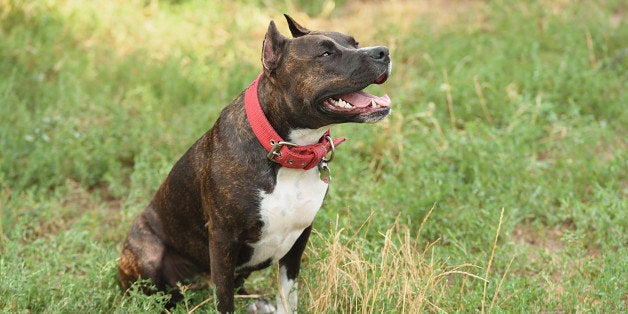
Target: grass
498, 184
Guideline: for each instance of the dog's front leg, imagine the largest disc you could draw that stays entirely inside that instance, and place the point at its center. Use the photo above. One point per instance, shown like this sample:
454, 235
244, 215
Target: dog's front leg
222, 251
289, 265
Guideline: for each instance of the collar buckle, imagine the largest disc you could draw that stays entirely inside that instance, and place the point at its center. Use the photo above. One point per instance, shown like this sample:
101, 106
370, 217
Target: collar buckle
275, 151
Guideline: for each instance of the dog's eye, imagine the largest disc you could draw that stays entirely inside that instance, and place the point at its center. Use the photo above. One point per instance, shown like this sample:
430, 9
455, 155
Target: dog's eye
325, 54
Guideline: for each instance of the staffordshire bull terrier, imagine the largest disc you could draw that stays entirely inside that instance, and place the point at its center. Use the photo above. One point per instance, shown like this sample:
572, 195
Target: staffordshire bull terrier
244, 196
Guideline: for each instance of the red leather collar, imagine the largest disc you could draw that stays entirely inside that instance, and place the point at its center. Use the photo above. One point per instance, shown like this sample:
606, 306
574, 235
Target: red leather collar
284, 153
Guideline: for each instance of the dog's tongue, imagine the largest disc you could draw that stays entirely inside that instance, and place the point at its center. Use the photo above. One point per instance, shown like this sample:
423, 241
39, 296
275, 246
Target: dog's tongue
363, 99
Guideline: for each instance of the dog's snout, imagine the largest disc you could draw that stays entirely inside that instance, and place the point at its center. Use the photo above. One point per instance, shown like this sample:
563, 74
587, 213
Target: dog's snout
376, 53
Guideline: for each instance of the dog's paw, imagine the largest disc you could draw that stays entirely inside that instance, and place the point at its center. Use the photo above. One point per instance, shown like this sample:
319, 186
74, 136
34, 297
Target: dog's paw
261, 306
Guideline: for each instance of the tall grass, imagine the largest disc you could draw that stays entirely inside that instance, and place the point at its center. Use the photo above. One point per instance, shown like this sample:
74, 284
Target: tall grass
404, 275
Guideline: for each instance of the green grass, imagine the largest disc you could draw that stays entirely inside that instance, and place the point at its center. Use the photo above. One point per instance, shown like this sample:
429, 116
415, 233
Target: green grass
504, 105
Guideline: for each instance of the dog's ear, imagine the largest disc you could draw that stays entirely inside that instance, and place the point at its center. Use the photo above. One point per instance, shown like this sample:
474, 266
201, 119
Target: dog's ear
272, 50
295, 28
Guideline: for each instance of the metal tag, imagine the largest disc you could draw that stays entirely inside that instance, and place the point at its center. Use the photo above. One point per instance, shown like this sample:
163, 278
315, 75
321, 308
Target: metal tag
324, 172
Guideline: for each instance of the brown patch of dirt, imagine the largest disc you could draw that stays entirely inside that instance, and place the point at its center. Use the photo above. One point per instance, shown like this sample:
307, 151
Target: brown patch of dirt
542, 237
77, 202
544, 252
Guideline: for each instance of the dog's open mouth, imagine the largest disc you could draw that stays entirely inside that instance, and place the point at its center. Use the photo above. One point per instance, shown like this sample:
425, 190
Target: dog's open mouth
359, 101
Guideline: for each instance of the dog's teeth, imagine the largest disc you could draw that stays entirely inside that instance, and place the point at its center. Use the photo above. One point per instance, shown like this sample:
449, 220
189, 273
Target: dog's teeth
342, 104
373, 104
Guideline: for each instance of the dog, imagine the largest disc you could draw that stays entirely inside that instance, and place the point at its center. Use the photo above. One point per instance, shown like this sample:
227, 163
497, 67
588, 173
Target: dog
244, 196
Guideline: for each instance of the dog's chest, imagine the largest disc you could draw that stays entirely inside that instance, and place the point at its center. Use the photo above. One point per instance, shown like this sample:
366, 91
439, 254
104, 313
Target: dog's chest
286, 212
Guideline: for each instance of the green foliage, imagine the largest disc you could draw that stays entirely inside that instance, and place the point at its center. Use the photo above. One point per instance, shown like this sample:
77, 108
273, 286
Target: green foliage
497, 105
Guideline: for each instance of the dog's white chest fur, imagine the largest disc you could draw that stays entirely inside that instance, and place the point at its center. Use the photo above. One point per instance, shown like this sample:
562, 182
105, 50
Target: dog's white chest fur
287, 211
290, 208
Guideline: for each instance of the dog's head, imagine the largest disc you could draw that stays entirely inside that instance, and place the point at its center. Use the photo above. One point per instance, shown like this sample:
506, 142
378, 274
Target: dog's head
324, 74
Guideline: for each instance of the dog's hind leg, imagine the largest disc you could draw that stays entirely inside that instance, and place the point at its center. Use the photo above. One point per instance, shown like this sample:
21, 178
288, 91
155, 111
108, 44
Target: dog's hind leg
141, 256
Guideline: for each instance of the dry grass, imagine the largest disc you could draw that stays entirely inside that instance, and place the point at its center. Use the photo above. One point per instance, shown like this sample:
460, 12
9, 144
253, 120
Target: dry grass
405, 275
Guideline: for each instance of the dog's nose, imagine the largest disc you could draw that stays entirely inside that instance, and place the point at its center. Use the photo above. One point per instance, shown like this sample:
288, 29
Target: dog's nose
376, 53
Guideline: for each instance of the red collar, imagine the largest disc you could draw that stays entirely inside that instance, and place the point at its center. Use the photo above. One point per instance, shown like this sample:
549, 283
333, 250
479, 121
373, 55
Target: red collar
284, 153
